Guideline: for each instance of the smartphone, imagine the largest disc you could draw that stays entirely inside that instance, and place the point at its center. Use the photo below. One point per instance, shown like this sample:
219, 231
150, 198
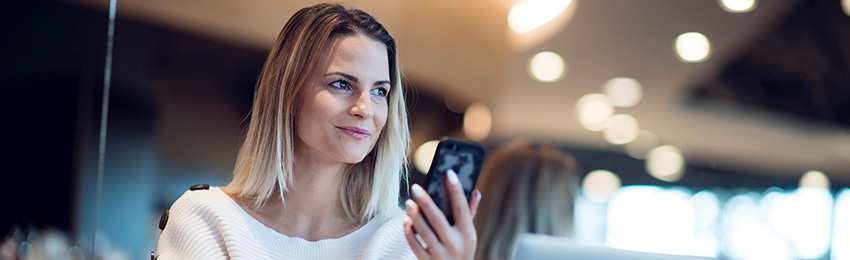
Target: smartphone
465, 158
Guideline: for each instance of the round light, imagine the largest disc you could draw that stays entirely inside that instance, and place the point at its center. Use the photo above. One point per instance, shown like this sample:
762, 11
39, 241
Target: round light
814, 179
594, 110
692, 47
644, 142
528, 15
624, 92
622, 129
845, 5
547, 66
477, 122
665, 163
738, 6
424, 155
599, 185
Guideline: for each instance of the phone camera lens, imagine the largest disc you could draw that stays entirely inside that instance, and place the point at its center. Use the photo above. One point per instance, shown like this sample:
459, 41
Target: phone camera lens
453, 147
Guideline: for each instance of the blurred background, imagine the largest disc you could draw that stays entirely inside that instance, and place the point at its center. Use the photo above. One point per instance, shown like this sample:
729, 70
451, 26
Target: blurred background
714, 128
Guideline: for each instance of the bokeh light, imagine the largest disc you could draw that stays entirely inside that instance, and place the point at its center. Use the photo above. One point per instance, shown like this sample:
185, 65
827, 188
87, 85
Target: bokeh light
738, 6
665, 163
424, 155
624, 92
599, 185
651, 219
692, 47
477, 121
621, 129
803, 218
746, 235
594, 110
814, 179
525, 16
845, 5
644, 142
706, 209
547, 66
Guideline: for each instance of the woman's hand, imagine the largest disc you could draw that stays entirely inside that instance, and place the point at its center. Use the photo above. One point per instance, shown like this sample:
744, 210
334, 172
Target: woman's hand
441, 240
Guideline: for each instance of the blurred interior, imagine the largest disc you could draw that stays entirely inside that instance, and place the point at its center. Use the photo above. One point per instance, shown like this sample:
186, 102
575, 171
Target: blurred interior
729, 155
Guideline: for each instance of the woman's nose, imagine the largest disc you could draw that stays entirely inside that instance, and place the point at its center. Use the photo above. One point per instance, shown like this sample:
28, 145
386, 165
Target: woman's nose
362, 106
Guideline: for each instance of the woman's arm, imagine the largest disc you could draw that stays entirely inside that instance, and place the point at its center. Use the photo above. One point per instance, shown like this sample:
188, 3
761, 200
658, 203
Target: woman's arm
442, 241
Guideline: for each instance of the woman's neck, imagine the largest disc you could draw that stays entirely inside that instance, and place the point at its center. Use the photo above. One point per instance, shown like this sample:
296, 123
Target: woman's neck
313, 208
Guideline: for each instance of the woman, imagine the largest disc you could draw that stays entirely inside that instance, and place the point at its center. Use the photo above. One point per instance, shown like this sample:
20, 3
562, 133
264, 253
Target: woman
319, 173
531, 189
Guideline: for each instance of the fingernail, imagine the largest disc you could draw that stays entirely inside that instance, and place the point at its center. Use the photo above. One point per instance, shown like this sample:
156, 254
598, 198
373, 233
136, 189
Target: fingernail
477, 195
407, 220
409, 204
452, 176
418, 191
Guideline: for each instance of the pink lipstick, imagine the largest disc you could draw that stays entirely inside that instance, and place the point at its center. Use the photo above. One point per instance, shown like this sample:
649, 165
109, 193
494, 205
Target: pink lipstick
356, 133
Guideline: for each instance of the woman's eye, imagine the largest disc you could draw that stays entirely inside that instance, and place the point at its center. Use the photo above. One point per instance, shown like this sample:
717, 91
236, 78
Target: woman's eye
381, 92
340, 84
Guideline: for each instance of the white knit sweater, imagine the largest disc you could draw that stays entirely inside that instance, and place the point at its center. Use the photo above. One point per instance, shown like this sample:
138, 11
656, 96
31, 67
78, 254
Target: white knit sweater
208, 224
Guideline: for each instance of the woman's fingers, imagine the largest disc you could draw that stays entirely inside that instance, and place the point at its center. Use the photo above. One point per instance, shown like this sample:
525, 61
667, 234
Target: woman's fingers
441, 239
414, 244
429, 209
474, 202
460, 206
420, 226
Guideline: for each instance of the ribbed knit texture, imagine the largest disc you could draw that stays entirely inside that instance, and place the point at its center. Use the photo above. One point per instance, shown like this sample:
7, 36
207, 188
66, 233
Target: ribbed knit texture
208, 224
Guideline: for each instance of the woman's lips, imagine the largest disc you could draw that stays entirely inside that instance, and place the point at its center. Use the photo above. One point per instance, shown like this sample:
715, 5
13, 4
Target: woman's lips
356, 133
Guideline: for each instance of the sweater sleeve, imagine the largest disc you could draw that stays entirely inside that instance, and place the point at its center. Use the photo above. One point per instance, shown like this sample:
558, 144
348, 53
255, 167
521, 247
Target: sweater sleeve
190, 232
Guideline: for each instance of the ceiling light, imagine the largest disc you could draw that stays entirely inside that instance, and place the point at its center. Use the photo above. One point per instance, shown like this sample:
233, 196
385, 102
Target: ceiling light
599, 185
845, 5
624, 92
528, 15
594, 110
547, 66
621, 129
738, 6
814, 179
692, 47
665, 163
424, 155
477, 121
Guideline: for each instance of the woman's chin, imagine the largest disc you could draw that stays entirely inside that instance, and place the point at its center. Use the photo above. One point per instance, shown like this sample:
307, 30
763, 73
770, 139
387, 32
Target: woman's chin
354, 158
353, 161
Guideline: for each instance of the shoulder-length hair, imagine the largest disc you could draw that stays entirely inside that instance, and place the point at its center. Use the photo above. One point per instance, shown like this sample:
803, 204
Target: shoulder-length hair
265, 162
528, 188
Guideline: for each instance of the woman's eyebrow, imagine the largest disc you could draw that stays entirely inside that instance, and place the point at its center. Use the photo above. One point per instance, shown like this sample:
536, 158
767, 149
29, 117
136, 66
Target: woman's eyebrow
344, 75
382, 82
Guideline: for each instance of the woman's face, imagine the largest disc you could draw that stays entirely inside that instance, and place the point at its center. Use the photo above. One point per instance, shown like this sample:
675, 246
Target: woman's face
343, 108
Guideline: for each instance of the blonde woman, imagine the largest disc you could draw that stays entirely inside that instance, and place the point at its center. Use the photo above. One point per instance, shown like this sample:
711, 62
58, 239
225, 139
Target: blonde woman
319, 172
530, 188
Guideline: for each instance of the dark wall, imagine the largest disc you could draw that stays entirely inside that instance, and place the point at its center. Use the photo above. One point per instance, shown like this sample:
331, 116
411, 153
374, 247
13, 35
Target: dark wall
51, 52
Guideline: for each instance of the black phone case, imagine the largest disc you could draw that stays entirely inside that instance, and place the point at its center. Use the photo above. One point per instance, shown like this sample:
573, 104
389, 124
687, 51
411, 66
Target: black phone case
465, 158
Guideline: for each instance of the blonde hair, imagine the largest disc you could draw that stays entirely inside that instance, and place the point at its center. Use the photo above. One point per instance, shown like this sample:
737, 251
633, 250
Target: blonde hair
528, 188
265, 162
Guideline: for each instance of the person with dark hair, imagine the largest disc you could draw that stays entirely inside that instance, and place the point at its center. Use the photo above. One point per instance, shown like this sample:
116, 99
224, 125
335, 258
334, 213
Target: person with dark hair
319, 172
531, 188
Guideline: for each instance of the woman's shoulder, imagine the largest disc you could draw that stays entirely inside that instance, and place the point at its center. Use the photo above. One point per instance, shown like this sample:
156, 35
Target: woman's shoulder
200, 197
204, 204
196, 220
